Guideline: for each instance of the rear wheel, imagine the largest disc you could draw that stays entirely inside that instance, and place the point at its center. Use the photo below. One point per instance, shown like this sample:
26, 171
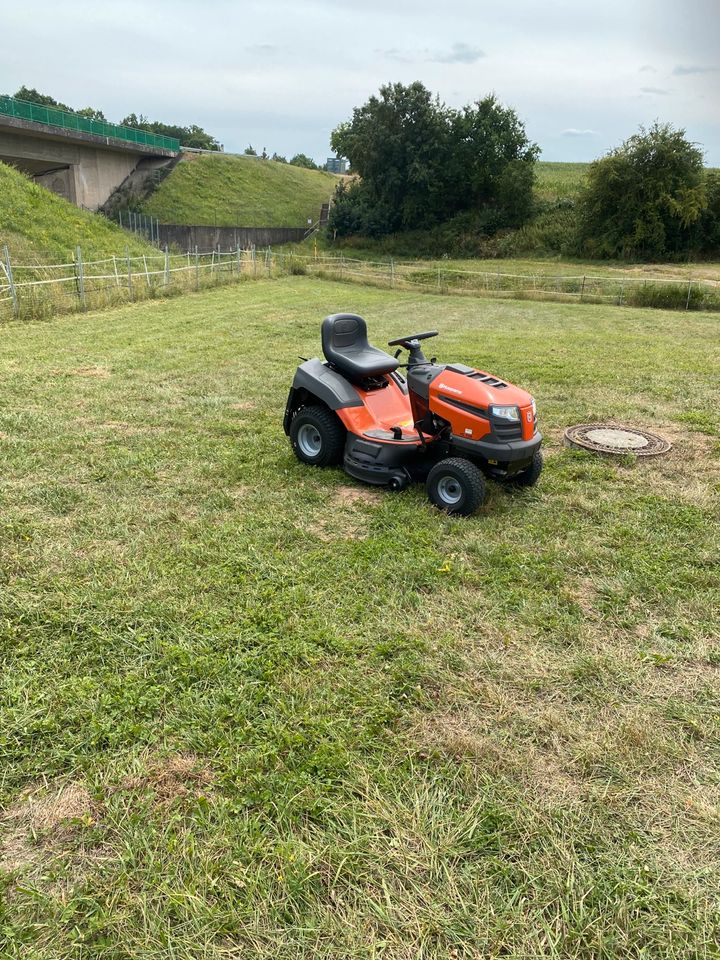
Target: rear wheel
456, 486
317, 436
530, 475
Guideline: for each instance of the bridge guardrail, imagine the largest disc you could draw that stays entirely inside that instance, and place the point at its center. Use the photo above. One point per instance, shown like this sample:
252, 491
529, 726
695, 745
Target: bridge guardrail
24, 110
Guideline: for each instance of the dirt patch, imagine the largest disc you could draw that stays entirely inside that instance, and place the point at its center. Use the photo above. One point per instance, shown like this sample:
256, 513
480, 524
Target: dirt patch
170, 779
245, 405
36, 825
350, 495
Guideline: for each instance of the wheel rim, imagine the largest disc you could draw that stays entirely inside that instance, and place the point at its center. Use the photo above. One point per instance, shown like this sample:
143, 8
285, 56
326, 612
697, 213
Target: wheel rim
449, 491
309, 440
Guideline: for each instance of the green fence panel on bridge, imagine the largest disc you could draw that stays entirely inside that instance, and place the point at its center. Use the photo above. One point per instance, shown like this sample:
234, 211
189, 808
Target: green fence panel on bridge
24, 110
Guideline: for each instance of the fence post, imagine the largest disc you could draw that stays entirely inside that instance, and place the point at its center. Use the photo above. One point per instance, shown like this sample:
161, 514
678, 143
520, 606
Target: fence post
687, 302
129, 273
239, 265
197, 269
392, 272
342, 265
622, 292
147, 273
167, 266
582, 289
11, 282
267, 260
254, 261
117, 278
438, 278
80, 276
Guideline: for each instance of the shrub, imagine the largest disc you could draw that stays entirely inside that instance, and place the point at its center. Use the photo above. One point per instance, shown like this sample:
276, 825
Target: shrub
642, 199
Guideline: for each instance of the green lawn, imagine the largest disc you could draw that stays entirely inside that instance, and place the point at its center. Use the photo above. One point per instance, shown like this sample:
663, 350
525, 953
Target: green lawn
231, 191
253, 710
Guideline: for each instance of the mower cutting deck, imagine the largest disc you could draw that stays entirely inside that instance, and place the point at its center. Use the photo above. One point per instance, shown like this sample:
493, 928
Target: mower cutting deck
448, 425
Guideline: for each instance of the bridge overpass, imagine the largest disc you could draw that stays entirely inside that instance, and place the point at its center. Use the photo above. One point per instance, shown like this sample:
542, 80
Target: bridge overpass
82, 160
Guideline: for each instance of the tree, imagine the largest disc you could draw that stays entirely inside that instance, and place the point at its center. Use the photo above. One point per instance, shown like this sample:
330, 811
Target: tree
278, 158
191, 136
420, 163
250, 151
303, 160
31, 95
643, 198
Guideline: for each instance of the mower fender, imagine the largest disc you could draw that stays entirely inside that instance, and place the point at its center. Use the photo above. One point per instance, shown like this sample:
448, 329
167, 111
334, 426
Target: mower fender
315, 381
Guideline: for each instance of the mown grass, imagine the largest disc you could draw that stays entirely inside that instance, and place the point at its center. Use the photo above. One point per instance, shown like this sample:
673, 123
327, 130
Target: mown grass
40, 227
229, 191
250, 709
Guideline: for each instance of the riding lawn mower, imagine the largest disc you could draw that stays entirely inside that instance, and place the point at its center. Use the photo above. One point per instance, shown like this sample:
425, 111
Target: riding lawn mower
448, 425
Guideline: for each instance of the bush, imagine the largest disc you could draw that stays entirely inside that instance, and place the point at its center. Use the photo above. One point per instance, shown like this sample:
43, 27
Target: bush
642, 199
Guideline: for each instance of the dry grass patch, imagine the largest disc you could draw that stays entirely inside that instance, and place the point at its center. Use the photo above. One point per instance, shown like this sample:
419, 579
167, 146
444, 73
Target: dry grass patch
41, 820
170, 779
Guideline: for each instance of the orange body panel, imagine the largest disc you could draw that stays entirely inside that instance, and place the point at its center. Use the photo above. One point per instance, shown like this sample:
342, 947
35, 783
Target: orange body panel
390, 407
467, 390
381, 410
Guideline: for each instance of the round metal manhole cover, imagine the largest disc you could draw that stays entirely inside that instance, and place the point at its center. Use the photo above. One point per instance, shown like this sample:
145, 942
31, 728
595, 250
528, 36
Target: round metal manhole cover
613, 438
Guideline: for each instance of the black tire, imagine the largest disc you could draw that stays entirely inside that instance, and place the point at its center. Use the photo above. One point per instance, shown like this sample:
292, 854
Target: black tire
317, 436
530, 475
456, 486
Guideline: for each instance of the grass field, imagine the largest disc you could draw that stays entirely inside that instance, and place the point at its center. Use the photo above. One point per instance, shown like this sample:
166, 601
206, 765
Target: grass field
40, 227
559, 180
253, 710
230, 191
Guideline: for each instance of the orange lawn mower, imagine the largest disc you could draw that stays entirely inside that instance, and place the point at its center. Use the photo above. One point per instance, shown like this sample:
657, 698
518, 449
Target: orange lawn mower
448, 425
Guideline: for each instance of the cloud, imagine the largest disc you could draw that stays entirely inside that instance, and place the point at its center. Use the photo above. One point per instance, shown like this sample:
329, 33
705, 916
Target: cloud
263, 48
574, 132
458, 53
654, 90
647, 69
681, 71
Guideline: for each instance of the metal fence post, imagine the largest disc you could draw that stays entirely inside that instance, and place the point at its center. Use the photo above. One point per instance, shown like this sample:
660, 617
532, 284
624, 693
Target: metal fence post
80, 276
167, 266
147, 274
11, 282
197, 269
687, 302
115, 269
582, 289
254, 259
239, 264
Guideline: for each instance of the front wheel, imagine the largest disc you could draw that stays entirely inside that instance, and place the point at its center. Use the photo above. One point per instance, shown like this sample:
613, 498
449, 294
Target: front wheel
530, 475
456, 486
317, 436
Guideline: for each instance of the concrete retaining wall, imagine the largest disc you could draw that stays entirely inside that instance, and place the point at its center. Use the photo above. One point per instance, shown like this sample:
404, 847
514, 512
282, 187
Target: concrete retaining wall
227, 238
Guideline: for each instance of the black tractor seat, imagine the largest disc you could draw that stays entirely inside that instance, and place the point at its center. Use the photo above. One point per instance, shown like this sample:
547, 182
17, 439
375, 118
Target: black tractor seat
346, 347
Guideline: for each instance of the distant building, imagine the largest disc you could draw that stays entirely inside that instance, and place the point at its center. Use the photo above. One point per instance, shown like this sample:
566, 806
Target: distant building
336, 165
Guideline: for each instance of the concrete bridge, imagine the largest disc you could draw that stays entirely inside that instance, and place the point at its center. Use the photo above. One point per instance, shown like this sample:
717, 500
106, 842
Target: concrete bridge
79, 159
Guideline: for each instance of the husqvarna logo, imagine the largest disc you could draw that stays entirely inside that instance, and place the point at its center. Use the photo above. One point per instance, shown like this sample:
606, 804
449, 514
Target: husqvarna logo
444, 386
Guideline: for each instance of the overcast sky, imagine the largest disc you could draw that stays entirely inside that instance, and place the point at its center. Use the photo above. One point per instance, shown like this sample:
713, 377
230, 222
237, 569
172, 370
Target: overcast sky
281, 74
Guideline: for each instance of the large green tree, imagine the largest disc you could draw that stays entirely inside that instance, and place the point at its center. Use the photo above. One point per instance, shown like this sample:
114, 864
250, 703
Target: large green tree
421, 163
644, 199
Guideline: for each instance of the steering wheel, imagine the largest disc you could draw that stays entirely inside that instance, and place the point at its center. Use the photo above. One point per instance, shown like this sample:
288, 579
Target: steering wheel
405, 341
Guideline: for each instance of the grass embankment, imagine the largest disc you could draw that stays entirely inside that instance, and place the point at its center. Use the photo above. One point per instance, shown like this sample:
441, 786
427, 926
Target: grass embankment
559, 181
251, 709
40, 227
230, 191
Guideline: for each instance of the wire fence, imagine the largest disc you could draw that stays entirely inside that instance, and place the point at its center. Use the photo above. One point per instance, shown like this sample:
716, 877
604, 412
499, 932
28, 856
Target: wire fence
621, 290
36, 291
